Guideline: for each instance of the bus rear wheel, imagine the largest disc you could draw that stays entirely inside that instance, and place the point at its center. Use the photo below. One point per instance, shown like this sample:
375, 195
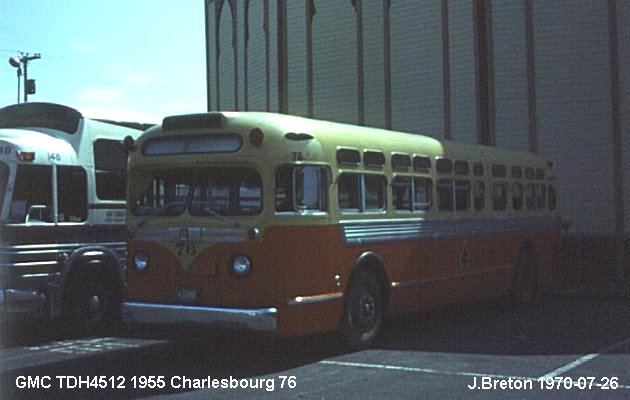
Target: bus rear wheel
525, 286
363, 315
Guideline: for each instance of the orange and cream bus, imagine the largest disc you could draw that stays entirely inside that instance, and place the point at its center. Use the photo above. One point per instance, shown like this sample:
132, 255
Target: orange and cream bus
282, 224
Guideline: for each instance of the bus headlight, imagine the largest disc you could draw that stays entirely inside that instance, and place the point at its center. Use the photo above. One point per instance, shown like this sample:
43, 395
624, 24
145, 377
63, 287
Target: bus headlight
140, 261
241, 265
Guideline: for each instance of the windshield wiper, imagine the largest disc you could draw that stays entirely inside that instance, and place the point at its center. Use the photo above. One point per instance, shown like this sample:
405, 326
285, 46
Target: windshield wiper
222, 217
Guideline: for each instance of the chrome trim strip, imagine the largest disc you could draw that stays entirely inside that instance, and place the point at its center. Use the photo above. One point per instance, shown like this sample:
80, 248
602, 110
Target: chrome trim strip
373, 231
32, 264
56, 247
257, 319
449, 278
317, 299
195, 234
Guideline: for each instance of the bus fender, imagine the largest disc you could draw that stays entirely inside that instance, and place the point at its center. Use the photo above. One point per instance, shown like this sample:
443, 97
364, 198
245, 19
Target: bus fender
93, 258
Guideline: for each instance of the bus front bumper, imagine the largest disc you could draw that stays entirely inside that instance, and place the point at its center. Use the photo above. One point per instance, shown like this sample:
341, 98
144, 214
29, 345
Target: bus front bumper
256, 319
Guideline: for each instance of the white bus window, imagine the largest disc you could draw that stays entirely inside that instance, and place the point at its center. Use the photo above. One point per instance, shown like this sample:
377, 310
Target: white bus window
349, 192
422, 193
412, 194
374, 192
110, 165
499, 196
530, 196
445, 194
541, 196
32, 194
307, 184
300, 188
552, 201
517, 195
479, 195
453, 195
462, 195
402, 193
72, 194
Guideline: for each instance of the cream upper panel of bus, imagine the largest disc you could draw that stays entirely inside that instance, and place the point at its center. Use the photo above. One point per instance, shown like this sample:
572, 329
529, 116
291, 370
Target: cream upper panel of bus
227, 137
21, 145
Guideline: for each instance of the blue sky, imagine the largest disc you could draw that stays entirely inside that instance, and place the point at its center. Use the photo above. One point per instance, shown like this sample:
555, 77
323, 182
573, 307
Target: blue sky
121, 59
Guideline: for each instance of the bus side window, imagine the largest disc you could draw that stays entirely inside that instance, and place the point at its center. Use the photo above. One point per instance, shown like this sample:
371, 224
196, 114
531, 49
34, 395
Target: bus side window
308, 188
72, 194
284, 192
541, 196
552, 200
374, 192
445, 194
479, 195
517, 196
402, 193
412, 194
422, 193
499, 197
300, 188
349, 192
462, 195
110, 165
453, 195
530, 197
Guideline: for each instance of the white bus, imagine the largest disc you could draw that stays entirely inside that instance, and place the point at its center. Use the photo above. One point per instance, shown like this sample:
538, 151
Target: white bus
62, 215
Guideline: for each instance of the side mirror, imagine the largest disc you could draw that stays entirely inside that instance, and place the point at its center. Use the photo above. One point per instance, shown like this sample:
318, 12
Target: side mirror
129, 144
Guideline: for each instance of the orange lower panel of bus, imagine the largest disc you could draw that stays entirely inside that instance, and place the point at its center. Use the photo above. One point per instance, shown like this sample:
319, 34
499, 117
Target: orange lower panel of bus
303, 272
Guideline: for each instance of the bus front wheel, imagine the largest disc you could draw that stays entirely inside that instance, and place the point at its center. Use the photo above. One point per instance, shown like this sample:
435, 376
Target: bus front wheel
92, 305
363, 315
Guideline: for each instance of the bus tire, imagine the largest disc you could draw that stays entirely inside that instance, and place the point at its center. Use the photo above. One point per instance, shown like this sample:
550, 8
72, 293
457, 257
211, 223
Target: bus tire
92, 304
525, 285
364, 310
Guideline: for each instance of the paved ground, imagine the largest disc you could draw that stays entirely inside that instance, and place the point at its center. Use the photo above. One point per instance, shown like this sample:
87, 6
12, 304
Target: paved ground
569, 346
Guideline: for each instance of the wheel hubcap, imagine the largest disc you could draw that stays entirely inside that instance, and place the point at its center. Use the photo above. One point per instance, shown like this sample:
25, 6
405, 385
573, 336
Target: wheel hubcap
367, 311
94, 304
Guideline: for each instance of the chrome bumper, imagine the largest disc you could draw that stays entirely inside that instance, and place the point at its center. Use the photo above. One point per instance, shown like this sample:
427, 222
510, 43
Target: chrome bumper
16, 303
257, 319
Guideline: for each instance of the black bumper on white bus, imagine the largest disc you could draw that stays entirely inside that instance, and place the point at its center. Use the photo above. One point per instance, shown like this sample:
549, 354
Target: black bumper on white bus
257, 319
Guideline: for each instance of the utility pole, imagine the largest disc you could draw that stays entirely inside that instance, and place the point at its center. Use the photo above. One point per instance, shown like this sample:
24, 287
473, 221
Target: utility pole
19, 62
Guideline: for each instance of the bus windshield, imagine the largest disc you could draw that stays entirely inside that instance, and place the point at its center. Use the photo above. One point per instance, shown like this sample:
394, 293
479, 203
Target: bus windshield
202, 192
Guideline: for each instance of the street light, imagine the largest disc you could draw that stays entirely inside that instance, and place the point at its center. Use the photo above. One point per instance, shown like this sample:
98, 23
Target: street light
15, 62
29, 84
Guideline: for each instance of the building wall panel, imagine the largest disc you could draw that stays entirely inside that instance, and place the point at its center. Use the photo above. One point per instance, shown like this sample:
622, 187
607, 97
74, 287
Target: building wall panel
335, 77
462, 72
623, 36
573, 107
296, 49
416, 67
226, 71
256, 49
511, 122
211, 53
374, 64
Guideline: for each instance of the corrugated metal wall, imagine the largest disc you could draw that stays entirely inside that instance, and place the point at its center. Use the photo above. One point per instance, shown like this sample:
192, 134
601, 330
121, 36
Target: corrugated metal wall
573, 106
422, 67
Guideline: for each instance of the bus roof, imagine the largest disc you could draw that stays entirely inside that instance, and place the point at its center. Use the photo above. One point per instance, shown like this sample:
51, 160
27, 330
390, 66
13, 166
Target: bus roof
53, 116
15, 142
332, 135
